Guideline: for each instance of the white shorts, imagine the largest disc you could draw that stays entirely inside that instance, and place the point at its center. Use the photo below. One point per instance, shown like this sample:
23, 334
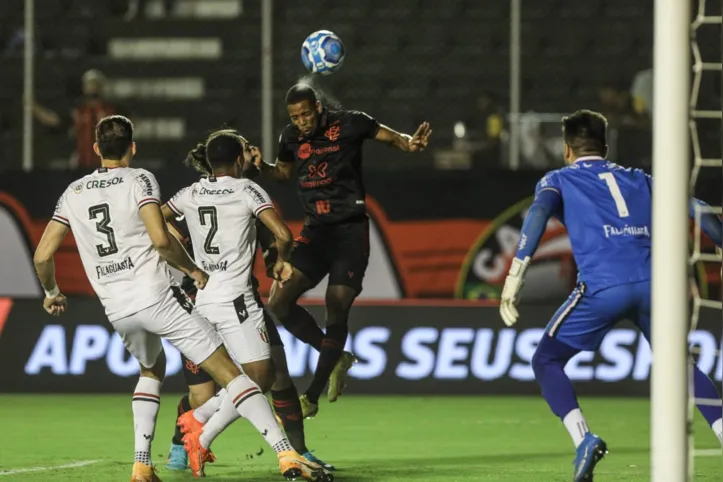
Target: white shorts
174, 319
241, 326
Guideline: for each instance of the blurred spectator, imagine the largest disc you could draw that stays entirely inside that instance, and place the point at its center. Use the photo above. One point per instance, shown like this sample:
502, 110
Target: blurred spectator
540, 140
617, 105
642, 93
90, 108
16, 43
139, 6
483, 134
492, 114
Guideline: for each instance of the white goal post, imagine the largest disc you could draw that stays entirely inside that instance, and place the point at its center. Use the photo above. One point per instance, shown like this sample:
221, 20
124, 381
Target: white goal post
671, 167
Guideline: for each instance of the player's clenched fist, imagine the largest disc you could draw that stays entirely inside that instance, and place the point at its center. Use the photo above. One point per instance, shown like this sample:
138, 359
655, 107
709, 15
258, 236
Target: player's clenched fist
511, 291
282, 272
56, 305
200, 278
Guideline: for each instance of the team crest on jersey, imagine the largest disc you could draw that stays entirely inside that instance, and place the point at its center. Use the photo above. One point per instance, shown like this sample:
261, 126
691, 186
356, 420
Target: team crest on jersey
263, 334
333, 133
192, 367
78, 188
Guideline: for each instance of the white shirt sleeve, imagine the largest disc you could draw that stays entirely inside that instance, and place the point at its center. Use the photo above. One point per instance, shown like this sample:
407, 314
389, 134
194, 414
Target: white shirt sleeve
256, 198
178, 202
61, 210
146, 189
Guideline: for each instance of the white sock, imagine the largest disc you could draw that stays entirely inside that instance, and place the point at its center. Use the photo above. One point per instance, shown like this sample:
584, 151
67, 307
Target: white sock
718, 429
146, 403
576, 425
206, 411
221, 418
246, 397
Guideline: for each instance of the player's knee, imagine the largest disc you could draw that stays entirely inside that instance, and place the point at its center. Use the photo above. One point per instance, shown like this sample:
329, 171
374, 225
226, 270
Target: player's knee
282, 378
278, 307
539, 360
281, 301
551, 354
543, 359
261, 373
200, 394
266, 381
339, 300
158, 370
221, 367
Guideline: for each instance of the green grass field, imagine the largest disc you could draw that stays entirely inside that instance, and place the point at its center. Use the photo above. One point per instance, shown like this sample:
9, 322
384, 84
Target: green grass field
368, 438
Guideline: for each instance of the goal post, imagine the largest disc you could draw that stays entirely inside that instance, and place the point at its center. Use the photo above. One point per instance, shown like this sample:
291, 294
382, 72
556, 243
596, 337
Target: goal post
671, 163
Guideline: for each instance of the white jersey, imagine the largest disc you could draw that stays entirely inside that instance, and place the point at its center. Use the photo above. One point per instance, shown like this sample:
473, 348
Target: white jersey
220, 214
120, 261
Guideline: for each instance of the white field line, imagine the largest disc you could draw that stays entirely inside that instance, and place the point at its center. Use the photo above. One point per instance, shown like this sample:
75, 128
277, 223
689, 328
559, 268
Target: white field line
708, 453
73, 465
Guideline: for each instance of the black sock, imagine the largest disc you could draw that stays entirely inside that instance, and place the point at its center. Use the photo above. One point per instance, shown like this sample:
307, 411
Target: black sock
331, 349
288, 408
184, 405
303, 326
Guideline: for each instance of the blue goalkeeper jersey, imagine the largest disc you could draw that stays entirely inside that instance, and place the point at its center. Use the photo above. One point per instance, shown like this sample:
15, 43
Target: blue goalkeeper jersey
607, 210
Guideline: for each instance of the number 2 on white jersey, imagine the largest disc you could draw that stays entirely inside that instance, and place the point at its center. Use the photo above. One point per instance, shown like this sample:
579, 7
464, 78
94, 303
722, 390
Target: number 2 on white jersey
612, 183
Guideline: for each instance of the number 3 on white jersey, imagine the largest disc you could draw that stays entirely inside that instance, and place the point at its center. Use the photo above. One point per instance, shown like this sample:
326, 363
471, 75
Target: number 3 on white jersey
612, 183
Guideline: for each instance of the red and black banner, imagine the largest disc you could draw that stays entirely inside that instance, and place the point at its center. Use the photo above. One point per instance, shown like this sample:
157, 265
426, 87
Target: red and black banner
433, 234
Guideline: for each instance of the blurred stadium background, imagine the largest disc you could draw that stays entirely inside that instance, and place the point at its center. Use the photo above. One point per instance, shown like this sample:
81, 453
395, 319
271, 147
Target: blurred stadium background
493, 77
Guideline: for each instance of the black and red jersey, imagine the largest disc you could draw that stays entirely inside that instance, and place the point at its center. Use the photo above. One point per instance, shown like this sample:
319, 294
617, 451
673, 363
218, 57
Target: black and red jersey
329, 165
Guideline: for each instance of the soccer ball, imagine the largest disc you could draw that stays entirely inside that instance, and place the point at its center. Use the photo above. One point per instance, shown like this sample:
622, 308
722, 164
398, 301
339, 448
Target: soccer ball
322, 52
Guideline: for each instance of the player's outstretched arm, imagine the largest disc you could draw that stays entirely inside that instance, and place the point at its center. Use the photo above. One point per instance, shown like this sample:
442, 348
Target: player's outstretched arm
168, 247
280, 171
55, 232
416, 143
546, 203
710, 224
168, 214
271, 219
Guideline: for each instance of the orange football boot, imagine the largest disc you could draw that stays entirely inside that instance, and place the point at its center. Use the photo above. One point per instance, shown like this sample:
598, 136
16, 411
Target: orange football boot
144, 473
188, 424
197, 455
295, 467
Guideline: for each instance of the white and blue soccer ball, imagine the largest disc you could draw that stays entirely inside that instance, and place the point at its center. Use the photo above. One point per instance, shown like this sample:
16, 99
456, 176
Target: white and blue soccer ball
323, 52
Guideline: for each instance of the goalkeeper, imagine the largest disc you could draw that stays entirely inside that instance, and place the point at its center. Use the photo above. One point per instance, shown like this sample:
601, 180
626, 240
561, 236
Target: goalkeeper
607, 210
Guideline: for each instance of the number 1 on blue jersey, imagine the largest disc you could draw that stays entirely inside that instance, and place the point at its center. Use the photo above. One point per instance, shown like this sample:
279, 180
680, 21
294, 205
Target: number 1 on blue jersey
620, 203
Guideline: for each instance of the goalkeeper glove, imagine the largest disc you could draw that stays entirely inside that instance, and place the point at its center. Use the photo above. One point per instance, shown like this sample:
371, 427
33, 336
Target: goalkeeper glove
511, 291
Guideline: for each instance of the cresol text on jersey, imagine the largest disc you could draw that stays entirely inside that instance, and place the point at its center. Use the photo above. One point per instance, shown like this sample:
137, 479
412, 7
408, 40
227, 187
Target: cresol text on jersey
103, 183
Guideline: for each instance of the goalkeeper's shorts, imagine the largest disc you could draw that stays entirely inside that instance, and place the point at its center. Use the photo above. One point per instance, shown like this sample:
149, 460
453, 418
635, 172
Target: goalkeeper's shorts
584, 319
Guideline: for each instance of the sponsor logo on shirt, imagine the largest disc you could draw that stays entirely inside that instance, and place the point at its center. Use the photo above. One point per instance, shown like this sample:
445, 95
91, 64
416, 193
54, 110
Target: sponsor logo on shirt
59, 205
612, 231
114, 268
101, 183
146, 184
306, 151
216, 191
255, 194
523, 241
213, 267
